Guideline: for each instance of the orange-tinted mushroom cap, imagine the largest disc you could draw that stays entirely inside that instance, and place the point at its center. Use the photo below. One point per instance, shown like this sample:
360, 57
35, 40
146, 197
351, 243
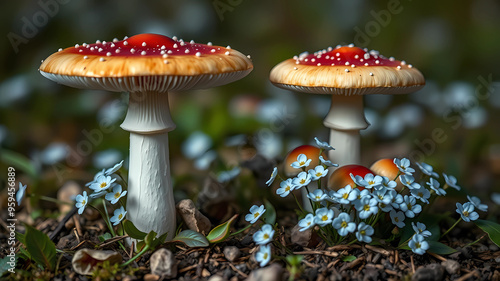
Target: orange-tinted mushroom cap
341, 176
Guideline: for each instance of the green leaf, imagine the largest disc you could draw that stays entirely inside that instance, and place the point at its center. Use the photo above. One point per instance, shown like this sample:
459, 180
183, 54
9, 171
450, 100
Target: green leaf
21, 237
132, 231
105, 237
149, 239
491, 228
440, 248
220, 232
349, 258
270, 215
160, 240
191, 239
40, 247
18, 161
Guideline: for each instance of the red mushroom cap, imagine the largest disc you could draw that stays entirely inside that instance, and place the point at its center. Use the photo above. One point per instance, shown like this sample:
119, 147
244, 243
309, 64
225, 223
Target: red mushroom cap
146, 62
347, 70
341, 176
312, 152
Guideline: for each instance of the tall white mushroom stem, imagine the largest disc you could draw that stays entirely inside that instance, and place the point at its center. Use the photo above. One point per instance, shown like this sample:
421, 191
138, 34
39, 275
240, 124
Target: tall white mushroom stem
150, 198
345, 119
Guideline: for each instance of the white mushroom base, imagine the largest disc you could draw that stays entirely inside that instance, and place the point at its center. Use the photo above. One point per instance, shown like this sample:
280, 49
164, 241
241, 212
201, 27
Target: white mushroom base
150, 198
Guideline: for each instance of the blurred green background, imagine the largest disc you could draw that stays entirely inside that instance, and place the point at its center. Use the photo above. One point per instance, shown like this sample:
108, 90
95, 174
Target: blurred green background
455, 44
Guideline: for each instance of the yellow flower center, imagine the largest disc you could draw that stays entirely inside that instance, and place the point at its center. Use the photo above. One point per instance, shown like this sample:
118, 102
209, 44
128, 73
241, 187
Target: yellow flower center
366, 208
318, 174
420, 194
417, 245
371, 182
266, 236
117, 195
120, 216
287, 188
83, 202
308, 223
362, 232
256, 214
301, 163
265, 256
396, 219
409, 206
302, 181
345, 195
465, 213
324, 218
103, 185
343, 224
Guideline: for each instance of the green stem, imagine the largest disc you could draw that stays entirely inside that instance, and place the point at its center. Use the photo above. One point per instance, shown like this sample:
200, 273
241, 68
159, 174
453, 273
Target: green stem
54, 200
144, 250
240, 231
472, 243
107, 218
352, 242
453, 226
298, 204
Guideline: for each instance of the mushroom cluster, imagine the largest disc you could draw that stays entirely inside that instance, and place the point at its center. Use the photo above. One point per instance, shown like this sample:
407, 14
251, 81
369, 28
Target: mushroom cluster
148, 66
346, 73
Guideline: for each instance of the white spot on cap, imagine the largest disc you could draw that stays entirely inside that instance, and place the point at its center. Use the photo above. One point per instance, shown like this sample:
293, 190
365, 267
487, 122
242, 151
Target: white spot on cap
85, 45
198, 54
126, 37
98, 41
125, 43
346, 70
144, 44
410, 66
212, 51
313, 60
182, 43
399, 67
366, 56
329, 49
104, 42
192, 41
333, 64
403, 62
60, 49
371, 74
108, 54
101, 59
337, 54
347, 63
175, 46
115, 40
319, 64
352, 65
100, 50
169, 51
112, 45
209, 43
165, 61
377, 61
91, 48
228, 47
85, 57
143, 53
392, 59
186, 51
165, 56
174, 38
366, 64
76, 45
162, 52
163, 47
248, 56
356, 57
226, 53
117, 51
295, 68
132, 50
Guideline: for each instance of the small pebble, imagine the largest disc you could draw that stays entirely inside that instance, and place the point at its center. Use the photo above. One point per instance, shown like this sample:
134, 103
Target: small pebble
231, 253
451, 266
431, 272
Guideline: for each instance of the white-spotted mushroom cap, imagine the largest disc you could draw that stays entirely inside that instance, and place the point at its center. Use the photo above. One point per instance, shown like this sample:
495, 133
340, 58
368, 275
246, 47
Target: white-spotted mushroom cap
347, 70
149, 62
